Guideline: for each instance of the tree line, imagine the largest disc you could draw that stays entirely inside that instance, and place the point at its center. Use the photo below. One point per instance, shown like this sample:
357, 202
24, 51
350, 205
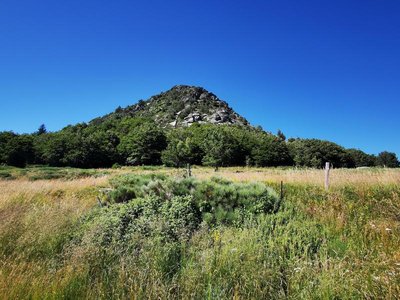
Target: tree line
139, 141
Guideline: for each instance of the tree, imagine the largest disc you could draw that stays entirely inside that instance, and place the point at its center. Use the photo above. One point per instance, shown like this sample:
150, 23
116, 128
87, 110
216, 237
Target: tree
271, 151
361, 159
5, 138
315, 153
143, 146
280, 135
52, 148
387, 159
182, 148
16, 150
41, 130
219, 147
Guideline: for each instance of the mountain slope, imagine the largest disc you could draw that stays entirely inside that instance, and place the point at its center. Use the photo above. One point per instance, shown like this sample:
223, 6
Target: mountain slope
181, 106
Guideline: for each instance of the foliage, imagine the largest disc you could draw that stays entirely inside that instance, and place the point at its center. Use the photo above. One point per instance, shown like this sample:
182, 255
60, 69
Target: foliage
182, 148
77, 146
281, 135
16, 150
219, 201
41, 130
387, 159
219, 147
139, 141
143, 145
361, 159
314, 153
270, 151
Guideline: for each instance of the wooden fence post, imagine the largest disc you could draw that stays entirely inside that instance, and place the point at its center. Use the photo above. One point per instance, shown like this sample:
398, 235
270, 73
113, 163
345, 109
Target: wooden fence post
327, 168
189, 171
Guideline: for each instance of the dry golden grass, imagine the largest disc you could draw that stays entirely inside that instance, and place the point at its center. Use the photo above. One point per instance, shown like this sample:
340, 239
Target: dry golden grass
338, 177
33, 215
23, 190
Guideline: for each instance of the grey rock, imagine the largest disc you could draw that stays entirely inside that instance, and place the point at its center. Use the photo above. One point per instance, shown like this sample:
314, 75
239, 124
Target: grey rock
182, 106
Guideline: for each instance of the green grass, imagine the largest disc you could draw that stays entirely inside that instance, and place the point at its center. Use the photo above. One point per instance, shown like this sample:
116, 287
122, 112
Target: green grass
161, 237
47, 173
4, 174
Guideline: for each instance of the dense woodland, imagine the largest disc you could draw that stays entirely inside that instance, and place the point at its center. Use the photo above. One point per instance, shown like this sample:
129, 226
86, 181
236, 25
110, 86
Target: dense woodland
139, 141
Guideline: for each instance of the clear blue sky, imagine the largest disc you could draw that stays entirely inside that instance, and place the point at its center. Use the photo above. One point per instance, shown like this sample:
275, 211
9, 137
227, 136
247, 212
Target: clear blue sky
323, 69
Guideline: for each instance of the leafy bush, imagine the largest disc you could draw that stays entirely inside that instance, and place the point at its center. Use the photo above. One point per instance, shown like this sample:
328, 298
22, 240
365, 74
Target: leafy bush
118, 224
151, 219
219, 201
122, 194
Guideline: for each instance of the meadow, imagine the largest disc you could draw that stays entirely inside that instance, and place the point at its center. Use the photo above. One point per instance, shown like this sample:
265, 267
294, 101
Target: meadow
154, 233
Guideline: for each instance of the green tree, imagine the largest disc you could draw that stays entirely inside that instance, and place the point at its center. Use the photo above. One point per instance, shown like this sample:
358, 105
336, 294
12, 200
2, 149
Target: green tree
143, 146
182, 148
16, 150
52, 148
280, 135
270, 151
5, 138
314, 153
219, 147
388, 160
361, 159
41, 130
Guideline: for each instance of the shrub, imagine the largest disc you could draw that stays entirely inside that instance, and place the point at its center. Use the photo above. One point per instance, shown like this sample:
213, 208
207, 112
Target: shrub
219, 201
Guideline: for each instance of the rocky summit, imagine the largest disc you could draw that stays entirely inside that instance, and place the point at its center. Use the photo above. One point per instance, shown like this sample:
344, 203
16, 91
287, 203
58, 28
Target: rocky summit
182, 106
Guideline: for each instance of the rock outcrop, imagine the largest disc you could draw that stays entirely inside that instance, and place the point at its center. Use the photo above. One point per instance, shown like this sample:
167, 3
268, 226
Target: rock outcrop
182, 106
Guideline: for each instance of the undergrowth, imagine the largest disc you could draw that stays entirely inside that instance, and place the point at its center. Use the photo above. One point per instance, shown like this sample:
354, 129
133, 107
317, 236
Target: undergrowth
157, 237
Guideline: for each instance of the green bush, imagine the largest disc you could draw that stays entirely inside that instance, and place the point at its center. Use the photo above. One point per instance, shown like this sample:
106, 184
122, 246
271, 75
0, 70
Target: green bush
220, 201
151, 219
122, 194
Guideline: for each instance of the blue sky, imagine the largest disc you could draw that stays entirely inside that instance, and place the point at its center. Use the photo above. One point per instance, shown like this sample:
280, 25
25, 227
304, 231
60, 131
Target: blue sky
323, 69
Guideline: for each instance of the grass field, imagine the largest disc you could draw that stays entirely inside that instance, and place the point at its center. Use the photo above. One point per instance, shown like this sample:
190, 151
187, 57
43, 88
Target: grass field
157, 234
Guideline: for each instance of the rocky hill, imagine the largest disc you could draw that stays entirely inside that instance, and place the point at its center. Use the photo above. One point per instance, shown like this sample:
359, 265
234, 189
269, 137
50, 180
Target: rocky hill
181, 106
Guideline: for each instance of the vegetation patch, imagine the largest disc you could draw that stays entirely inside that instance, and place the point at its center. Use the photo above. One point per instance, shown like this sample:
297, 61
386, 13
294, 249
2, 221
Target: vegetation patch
47, 173
218, 201
5, 175
159, 237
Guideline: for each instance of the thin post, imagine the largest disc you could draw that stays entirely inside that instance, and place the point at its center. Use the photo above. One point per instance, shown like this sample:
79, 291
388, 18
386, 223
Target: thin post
281, 190
99, 202
327, 169
189, 171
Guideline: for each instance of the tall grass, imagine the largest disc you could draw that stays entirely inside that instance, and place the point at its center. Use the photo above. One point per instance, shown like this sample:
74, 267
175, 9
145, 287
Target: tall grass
152, 238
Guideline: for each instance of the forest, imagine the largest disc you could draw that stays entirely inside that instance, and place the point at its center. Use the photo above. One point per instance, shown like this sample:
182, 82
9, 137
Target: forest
140, 141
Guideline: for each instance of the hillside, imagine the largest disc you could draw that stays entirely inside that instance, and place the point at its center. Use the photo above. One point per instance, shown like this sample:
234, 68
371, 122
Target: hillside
180, 106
